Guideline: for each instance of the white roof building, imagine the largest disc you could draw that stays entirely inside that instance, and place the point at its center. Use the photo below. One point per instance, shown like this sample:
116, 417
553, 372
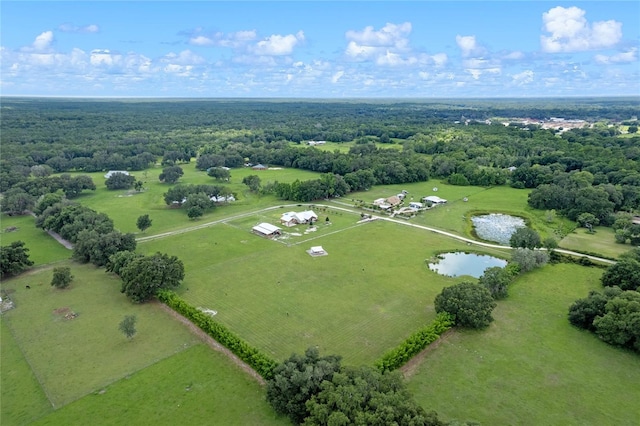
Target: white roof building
294, 218
266, 229
434, 199
113, 172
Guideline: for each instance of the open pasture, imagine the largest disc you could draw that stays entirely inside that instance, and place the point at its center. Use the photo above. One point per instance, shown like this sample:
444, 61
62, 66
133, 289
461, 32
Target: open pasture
371, 291
602, 241
531, 367
23, 400
125, 206
43, 248
196, 386
344, 147
70, 337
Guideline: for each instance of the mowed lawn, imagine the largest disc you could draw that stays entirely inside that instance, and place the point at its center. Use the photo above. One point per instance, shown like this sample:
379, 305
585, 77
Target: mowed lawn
72, 357
125, 206
43, 248
602, 241
197, 386
372, 290
531, 367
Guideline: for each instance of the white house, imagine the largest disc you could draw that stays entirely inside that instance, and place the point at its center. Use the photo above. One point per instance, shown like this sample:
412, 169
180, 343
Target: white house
266, 230
113, 172
297, 218
416, 205
434, 199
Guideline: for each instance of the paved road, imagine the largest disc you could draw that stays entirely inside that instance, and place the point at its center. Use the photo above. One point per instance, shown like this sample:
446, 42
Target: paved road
349, 209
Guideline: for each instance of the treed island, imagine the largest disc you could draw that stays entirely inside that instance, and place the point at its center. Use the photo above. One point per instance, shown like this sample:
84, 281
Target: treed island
320, 262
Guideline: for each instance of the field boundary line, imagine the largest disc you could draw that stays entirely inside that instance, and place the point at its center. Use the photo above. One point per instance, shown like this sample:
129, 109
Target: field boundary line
213, 343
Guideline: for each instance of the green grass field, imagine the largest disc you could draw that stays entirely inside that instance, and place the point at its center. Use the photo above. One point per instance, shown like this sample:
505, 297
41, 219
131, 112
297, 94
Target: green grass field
72, 357
125, 206
602, 241
23, 400
531, 367
43, 248
367, 295
194, 387
346, 146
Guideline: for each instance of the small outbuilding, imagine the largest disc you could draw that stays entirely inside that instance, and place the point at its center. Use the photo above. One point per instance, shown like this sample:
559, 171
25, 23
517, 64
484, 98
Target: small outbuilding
260, 167
317, 251
113, 172
267, 230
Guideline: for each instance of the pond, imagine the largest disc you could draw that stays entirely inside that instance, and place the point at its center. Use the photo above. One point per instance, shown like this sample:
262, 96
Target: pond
459, 263
497, 227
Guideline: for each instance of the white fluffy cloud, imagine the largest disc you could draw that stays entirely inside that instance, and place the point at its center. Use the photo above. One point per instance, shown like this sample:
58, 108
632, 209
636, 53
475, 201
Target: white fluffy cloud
43, 41
391, 35
278, 45
337, 76
630, 55
186, 57
439, 59
571, 32
524, 77
467, 44
387, 46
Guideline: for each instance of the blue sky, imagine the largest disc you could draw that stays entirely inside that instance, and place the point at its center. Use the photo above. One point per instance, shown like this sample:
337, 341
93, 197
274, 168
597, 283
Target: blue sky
320, 49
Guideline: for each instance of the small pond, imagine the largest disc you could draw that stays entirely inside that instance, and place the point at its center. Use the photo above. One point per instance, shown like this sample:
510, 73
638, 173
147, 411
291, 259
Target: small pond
459, 263
497, 227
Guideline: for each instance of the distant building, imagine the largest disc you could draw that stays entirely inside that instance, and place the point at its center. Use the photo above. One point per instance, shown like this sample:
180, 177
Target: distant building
113, 172
260, 167
434, 199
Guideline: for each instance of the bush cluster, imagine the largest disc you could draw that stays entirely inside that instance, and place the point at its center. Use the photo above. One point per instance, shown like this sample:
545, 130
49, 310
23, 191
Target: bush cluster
613, 315
416, 342
260, 362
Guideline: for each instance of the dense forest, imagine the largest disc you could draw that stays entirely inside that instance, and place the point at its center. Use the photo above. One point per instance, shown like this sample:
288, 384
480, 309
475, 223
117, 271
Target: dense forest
591, 169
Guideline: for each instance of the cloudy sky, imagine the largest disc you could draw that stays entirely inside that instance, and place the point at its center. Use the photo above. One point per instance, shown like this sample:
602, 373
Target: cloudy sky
320, 49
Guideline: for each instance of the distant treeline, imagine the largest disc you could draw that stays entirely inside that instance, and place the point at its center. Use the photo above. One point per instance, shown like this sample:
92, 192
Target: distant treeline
446, 140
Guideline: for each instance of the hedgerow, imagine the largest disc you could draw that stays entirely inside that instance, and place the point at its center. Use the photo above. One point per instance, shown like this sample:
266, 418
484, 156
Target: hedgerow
416, 342
260, 362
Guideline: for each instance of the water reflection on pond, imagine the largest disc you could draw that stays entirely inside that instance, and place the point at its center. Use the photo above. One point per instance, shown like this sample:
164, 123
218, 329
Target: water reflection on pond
496, 227
459, 263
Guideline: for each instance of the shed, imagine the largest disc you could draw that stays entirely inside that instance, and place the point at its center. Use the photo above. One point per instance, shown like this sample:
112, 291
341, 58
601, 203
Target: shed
267, 230
317, 251
259, 167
